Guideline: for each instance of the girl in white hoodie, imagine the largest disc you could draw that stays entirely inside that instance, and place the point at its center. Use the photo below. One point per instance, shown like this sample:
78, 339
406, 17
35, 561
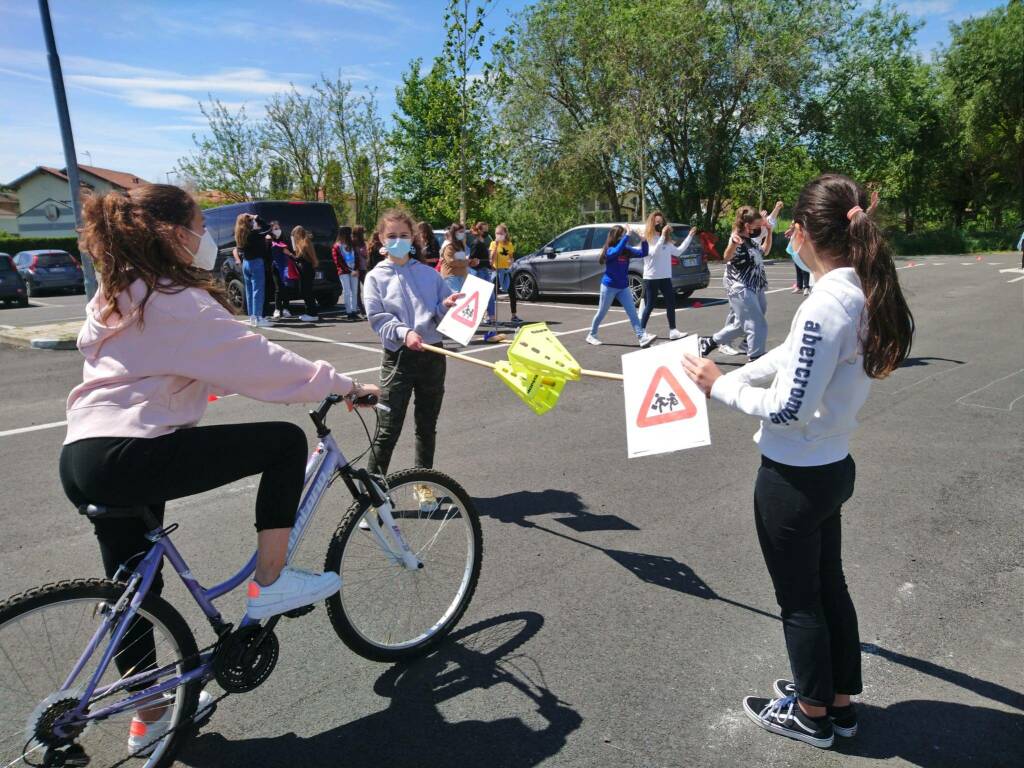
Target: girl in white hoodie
658, 270
854, 327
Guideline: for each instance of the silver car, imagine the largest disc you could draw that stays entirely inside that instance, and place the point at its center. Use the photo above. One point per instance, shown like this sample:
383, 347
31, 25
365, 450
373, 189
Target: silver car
569, 264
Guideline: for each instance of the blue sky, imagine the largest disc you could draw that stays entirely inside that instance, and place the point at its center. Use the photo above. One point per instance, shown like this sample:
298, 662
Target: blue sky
135, 69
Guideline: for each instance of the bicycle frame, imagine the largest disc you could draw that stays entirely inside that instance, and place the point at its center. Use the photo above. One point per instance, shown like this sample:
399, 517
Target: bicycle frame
325, 464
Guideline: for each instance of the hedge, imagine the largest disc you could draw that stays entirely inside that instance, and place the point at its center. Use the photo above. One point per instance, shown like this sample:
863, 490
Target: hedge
12, 245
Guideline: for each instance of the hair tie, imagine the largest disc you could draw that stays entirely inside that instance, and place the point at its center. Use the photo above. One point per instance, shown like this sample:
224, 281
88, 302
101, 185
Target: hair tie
853, 212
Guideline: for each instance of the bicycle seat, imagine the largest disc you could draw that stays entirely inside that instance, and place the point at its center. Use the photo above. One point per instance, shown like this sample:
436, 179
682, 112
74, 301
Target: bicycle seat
98, 511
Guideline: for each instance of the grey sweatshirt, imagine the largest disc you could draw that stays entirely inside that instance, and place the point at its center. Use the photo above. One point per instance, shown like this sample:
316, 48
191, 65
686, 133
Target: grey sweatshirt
403, 298
808, 390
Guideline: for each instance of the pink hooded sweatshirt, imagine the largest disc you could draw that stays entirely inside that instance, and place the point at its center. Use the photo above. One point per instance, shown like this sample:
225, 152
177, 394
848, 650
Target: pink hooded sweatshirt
150, 379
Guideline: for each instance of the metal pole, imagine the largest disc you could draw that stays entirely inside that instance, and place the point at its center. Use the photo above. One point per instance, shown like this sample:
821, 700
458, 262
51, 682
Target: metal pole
68, 139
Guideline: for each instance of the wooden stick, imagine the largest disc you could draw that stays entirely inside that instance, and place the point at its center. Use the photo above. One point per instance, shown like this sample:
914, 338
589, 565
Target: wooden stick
485, 364
457, 356
602, 375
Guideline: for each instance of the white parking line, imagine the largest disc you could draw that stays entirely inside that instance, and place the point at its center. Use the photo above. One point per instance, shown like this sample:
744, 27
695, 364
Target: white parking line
1015, 280
36, 428
300, 335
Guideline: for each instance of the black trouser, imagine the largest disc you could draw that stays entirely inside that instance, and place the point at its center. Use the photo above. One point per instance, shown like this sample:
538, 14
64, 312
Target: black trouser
306, 271
803, 279
668, 293
279, 291
797, 512
404, 374
124, 472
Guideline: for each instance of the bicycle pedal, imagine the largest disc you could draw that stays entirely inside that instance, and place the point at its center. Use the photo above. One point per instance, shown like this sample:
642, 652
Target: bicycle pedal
297, 612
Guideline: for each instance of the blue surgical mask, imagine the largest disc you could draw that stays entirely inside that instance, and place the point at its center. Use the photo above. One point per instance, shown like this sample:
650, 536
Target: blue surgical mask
399, 247
795, 254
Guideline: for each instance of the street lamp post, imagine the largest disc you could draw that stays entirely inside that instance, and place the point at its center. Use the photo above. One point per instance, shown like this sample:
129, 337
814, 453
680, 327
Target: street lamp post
68, 139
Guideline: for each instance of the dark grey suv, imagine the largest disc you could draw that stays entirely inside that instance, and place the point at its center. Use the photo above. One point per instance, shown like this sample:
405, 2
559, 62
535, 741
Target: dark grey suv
569, 264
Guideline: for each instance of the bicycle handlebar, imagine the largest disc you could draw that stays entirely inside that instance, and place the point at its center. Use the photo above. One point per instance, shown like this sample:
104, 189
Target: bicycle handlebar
320, 413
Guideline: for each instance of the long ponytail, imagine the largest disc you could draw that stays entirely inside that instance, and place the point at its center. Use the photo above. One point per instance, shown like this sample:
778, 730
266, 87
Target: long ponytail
131, 237
831, 210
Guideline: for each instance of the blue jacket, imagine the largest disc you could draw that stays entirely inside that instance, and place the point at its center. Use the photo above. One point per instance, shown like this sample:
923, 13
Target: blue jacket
616, 265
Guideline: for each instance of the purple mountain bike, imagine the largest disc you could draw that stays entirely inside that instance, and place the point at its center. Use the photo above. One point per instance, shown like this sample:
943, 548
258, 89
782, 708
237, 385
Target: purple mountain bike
78, 658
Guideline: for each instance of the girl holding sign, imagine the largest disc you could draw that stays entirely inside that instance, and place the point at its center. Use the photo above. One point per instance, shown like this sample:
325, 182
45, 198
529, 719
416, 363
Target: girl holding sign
615, 284
405, 300
854, 327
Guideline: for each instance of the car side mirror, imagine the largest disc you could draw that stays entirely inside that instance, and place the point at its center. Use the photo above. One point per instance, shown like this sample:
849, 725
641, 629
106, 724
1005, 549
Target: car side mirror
549, 252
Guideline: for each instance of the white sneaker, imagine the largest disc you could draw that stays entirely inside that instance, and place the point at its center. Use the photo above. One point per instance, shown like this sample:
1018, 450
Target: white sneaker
675, 335
263, 322
725, 349
807, 291
592, 339
285, 314
647, 338
143, 736
308, 318
293, 589
277, 314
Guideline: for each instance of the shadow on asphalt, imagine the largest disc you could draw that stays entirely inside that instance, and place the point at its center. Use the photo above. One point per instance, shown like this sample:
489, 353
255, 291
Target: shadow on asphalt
412, 731
913, 362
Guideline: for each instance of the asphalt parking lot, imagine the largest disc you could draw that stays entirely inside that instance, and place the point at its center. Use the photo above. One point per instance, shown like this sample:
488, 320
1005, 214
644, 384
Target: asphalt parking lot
623, 609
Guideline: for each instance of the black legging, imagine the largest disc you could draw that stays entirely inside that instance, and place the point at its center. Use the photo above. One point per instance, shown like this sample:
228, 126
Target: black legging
803, 279
668, 293
306, 273
133, 471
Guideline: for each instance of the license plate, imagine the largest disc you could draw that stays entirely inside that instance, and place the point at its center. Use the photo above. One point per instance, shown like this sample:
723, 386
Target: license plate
691, 262
319, 275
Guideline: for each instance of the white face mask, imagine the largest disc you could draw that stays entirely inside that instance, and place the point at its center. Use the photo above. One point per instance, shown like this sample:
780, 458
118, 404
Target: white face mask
277, 233
205, 256
500, 238
460, 235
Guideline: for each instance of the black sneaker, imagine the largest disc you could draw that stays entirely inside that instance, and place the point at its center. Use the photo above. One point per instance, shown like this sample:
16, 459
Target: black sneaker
784, 717
844, 719
706, 345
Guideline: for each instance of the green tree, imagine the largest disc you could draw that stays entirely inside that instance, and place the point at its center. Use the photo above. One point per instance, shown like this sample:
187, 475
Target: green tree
280, 182
228, 158
983, 69
297, 132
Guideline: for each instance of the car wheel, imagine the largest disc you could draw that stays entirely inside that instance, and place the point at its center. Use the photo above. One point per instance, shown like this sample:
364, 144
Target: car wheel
636, 289
236, 294
23, 302
525, 286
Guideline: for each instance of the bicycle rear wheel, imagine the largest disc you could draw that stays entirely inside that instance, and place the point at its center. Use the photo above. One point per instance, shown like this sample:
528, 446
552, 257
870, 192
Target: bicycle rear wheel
43, 634
385, 611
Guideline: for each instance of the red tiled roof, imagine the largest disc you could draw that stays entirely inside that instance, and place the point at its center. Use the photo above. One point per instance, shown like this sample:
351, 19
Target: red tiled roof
120, 178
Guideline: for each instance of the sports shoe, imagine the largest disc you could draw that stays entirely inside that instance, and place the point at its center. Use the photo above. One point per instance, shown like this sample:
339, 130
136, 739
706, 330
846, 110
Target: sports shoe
285, 314
293, 589
143, 736
706, 345
263, 322
796, 288
308, 318
725, 349
844, 719
277, 314
675, 335
592, 339
807, 291
515, 320
784, 717
647, 338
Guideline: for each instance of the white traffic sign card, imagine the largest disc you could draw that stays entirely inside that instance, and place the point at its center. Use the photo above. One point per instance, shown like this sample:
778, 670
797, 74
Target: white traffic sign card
464, 318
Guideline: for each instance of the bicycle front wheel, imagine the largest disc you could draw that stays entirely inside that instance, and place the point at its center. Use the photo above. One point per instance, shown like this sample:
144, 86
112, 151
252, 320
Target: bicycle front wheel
385, 611
44, 634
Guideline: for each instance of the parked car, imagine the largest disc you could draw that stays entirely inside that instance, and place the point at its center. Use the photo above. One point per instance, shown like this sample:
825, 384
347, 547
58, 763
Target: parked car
317, 218
12, 286
569, 264
49, 271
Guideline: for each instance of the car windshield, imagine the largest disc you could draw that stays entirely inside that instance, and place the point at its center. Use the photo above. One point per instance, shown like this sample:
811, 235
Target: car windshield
5, 264
54, 260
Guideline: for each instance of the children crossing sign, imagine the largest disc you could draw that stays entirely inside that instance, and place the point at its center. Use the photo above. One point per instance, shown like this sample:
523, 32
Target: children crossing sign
464, 318
665, 411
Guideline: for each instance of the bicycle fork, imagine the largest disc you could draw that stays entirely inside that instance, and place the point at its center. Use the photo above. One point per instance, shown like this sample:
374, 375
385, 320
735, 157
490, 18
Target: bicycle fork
382, 525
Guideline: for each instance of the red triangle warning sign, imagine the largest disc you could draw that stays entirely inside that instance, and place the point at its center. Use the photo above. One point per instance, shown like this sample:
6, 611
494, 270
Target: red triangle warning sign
466, 313
665, 401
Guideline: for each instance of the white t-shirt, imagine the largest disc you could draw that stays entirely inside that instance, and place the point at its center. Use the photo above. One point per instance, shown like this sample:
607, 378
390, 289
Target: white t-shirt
658, 262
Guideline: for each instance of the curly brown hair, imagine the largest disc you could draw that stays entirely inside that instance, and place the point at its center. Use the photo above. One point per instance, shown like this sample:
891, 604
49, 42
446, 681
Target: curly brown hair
132, 237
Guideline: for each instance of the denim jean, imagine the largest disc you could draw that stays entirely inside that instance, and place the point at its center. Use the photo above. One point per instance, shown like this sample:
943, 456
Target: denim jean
746, 318
668, 293
504, 279
455, 282
485, 274
255, 275
625, 297
350, 292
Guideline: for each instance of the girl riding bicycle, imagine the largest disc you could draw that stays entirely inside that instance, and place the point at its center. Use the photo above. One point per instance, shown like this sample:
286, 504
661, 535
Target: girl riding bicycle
158, 341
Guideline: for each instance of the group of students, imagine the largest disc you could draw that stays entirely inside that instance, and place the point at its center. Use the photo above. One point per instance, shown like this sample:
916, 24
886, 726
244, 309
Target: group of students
133, 436
473, 252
